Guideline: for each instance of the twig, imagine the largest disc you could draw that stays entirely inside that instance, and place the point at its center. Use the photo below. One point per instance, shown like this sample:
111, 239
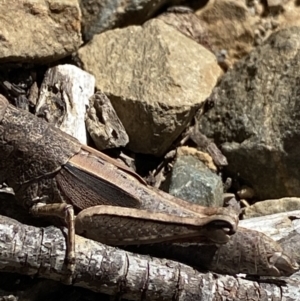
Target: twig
41, 252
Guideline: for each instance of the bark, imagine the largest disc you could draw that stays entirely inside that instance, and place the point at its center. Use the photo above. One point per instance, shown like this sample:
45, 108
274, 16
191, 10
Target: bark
64, 97
41, 252
103, 123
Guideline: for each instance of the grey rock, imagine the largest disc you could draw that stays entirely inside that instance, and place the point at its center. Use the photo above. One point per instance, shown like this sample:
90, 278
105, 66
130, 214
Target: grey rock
39, 31
256, 117
193, 181
156, 79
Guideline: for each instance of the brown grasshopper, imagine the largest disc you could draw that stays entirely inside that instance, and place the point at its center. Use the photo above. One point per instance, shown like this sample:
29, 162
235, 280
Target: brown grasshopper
53, 174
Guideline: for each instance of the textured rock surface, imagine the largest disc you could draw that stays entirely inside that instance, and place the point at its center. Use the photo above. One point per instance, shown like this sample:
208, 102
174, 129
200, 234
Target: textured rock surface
101, 15
36, 31
256, 116
268, 207
204, 157
103, 124
193, 181
156, 79
188, 23
288, 14
236, 27
230, 26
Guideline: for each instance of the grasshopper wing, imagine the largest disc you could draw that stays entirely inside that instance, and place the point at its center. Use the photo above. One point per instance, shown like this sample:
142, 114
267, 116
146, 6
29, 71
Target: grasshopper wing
84, 189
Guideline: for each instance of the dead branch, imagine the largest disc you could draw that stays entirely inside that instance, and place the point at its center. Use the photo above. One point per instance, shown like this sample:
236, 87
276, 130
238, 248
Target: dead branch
41, 252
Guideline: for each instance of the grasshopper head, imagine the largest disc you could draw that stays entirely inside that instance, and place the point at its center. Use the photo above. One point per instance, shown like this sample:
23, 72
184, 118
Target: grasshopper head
283, 264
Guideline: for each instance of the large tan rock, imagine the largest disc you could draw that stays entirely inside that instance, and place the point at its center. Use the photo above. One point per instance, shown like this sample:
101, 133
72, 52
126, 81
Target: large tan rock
230, 26
156, 79
234, 28
268, 207
38, 31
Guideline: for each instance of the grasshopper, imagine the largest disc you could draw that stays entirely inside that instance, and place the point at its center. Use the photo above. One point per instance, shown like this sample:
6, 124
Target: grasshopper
248, 251
53, 174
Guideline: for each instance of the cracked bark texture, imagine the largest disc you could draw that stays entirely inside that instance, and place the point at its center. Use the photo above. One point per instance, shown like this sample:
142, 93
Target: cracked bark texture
41, 252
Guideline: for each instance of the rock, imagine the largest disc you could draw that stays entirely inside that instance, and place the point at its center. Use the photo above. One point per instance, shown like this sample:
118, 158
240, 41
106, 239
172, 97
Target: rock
156, 79
229, 200
289, 13
36, 31
103, 124
64, 96
202, 156
230, 27
268, 207
101, 15
275, 3
235, 27
192, 181
16, 82
256, 119
188, 23
204, 144
245, 192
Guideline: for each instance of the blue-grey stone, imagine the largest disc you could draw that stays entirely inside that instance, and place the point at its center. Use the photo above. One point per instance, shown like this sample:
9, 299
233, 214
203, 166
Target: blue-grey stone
193, 181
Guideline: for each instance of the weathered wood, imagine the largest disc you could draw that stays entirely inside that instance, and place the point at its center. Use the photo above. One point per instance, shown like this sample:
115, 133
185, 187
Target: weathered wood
103, 123
64, 96
41, 252
275, 225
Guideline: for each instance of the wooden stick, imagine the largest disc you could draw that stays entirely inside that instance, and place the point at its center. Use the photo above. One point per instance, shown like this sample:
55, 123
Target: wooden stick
41, 252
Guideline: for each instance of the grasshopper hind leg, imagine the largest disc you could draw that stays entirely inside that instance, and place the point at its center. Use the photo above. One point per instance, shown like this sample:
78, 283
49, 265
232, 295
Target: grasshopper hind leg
43, 198
66, 212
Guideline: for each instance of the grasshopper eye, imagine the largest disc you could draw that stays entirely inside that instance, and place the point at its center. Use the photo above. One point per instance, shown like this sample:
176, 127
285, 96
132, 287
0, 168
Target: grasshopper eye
225, 225
284, 263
